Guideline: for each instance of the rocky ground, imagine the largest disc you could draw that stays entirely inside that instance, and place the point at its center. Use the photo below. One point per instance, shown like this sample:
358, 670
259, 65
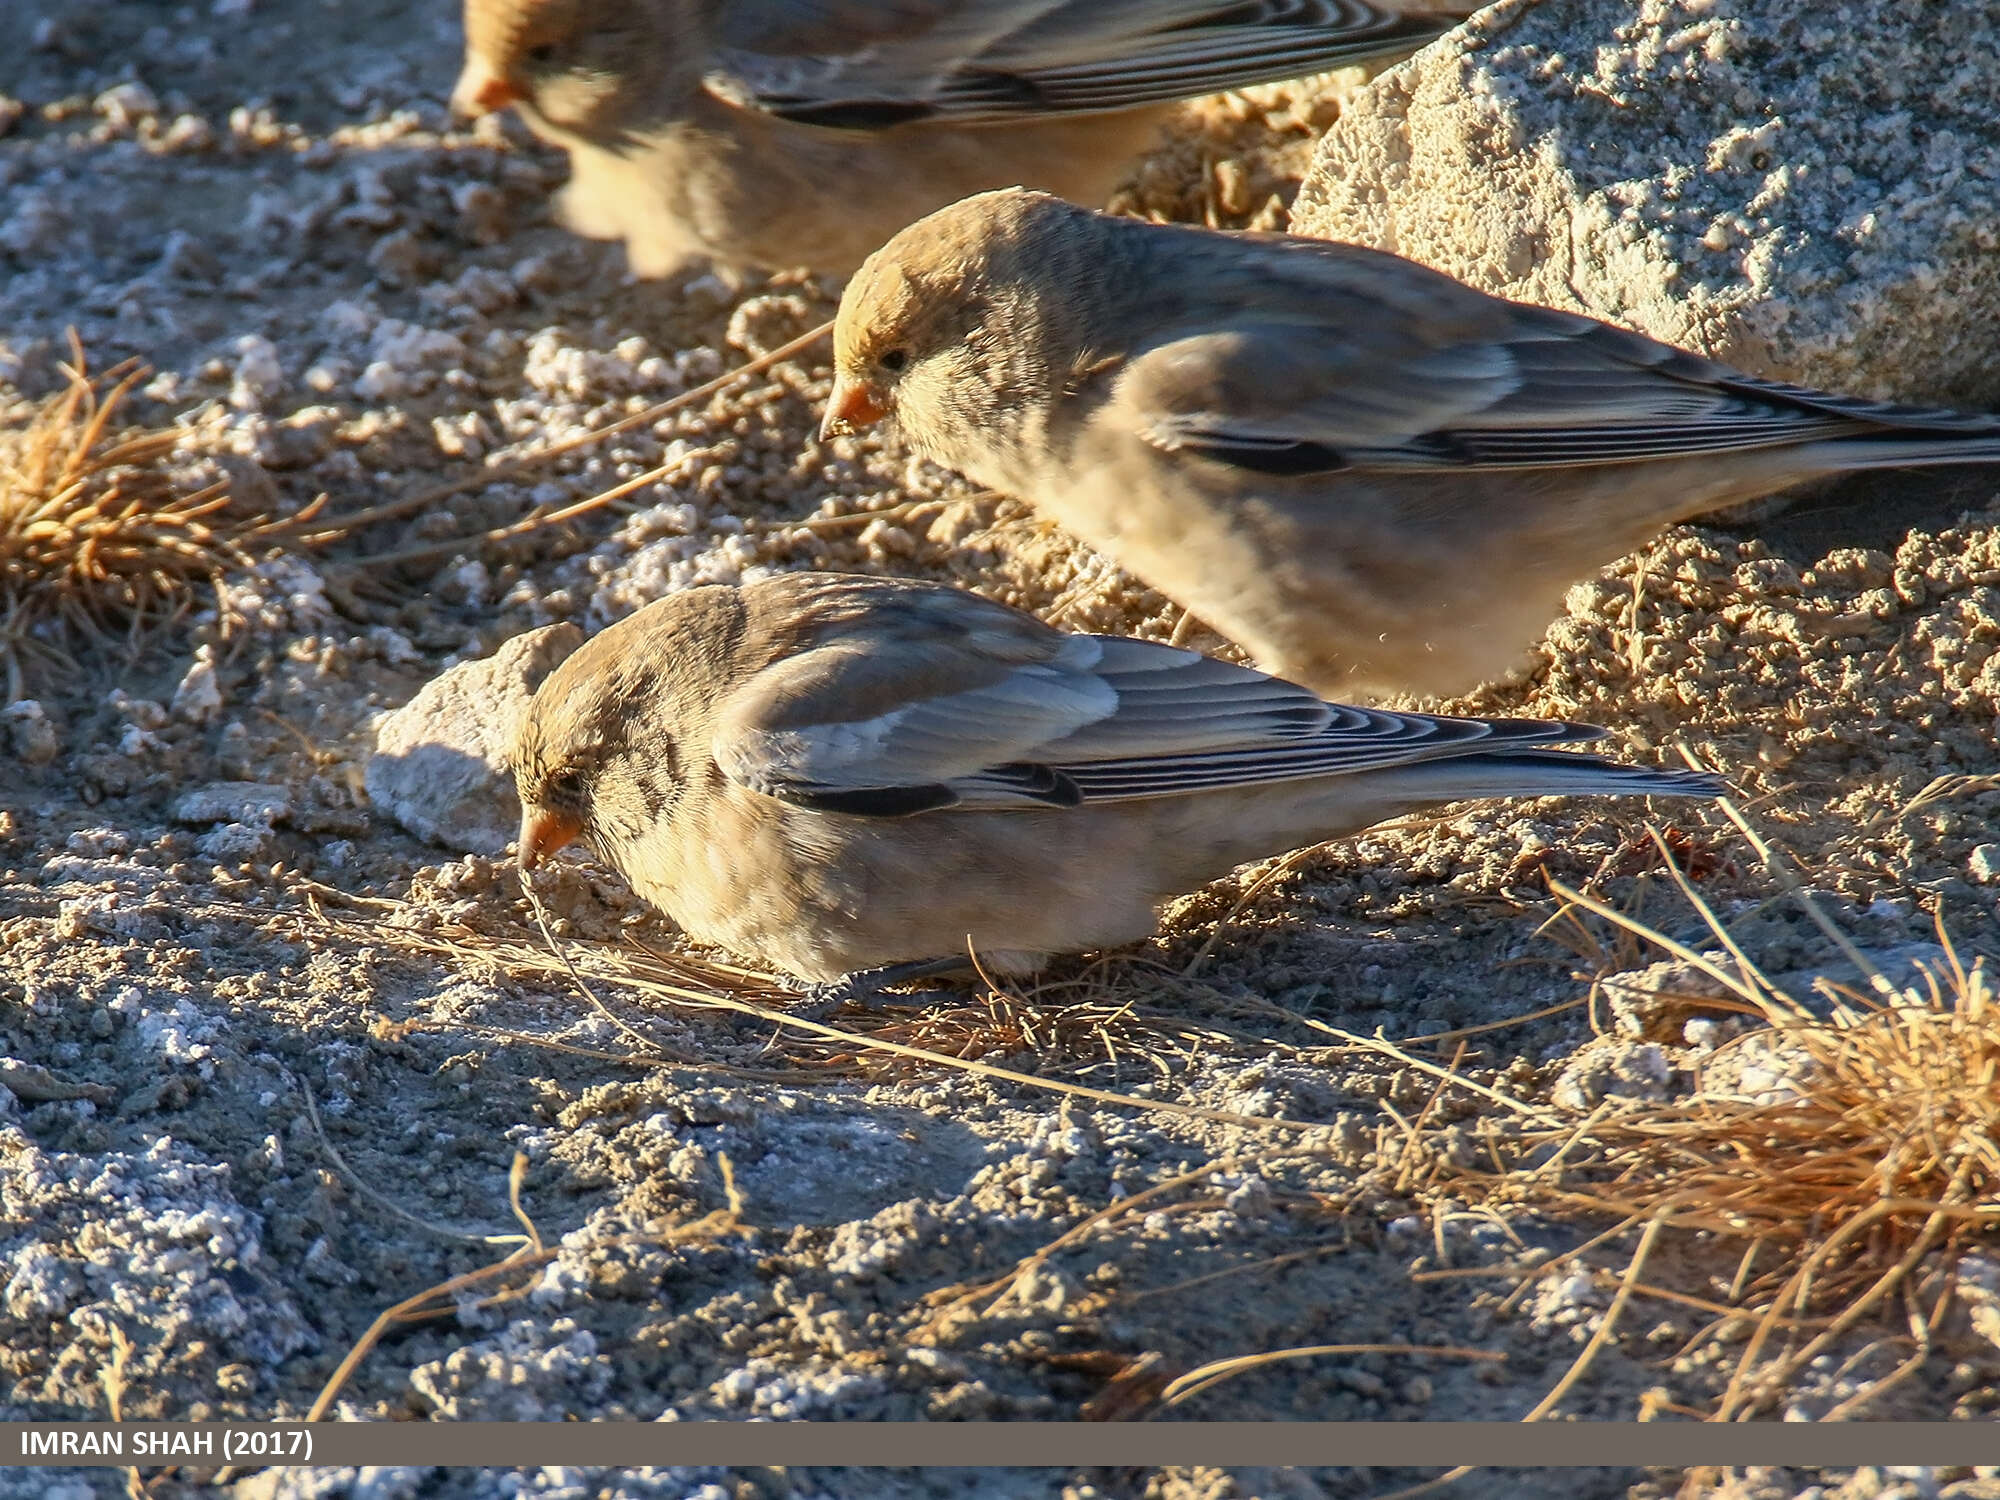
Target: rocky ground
270, 1058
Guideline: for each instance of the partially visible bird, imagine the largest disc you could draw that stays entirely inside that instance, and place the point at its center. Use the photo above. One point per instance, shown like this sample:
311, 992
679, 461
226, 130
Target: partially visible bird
777, 133
853, 779
1366, 474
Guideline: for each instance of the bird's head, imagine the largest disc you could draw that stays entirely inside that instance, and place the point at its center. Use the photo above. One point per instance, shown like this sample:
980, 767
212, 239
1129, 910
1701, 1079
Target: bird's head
952, 316
605, 749
564, 60
593, 754
556, 761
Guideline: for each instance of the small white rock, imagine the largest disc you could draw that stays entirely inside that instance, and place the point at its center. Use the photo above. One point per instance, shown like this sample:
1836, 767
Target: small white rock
233, 802
379, 381
259, 376
127, 103
29, 731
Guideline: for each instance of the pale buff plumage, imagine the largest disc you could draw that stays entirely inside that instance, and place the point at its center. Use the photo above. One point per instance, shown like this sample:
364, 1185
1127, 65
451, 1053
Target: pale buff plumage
829, 773
1369, 476
805, 132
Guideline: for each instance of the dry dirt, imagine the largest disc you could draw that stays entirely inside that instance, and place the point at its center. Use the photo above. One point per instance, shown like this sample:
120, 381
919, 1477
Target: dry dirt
270, 1058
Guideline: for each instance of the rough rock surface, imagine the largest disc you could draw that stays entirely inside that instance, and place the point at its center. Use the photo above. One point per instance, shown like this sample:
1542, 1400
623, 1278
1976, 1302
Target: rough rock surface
1782, 184
440, 761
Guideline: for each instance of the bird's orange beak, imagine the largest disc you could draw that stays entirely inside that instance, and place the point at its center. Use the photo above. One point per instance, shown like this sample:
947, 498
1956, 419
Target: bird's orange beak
480, 91
542, 833
853, 406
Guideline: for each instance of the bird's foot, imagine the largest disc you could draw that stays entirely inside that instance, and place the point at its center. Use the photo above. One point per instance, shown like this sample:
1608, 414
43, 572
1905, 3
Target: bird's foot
865, 987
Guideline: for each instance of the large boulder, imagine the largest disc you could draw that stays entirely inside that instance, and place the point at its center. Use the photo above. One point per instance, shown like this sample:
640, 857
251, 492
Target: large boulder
1807, 189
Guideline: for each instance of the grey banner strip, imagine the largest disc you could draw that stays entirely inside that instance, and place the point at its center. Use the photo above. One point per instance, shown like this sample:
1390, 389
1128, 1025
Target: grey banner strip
1002, 1444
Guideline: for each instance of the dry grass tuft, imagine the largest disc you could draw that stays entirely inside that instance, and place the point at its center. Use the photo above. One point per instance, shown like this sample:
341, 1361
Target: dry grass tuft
1850, 1148
97, 537
1889, 1111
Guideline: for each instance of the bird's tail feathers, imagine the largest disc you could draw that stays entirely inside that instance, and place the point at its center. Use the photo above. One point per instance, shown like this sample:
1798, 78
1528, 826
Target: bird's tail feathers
1906, 451
1549, 773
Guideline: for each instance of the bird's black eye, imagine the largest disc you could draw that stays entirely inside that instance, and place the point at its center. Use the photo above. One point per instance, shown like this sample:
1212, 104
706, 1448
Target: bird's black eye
565, 789
546, 53
894, 361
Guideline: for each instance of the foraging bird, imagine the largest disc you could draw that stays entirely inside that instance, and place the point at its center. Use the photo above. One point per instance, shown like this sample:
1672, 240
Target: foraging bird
805, 132
1367, 475
853, 779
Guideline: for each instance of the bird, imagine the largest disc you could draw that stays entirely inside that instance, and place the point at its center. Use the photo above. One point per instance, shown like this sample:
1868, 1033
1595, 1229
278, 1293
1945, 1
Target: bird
765, 134
1370, 477
861, 781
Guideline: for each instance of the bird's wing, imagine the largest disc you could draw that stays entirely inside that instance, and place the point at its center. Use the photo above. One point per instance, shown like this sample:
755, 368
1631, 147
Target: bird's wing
1353, 740
1326, 376
888, 719
847, 63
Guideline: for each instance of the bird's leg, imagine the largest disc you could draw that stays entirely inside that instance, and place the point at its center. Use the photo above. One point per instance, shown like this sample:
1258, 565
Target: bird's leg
865, 986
